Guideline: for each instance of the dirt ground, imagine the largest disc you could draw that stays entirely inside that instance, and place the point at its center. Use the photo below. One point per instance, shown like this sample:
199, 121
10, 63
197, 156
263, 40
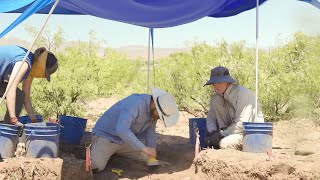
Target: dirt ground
294, 156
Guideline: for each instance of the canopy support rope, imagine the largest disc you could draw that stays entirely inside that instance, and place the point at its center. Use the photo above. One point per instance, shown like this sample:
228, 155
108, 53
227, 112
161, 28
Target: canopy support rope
29, 49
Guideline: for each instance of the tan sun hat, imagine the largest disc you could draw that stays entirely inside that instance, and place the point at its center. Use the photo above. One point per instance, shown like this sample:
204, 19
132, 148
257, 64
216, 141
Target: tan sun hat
45, 64
166, 107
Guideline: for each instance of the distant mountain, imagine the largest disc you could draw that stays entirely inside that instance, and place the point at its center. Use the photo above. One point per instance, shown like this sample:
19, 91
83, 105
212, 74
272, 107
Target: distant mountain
133, 51
6, 41
142, 51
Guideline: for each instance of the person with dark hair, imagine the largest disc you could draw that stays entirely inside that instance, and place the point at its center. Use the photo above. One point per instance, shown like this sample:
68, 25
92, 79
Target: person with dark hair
230, 105
40, 64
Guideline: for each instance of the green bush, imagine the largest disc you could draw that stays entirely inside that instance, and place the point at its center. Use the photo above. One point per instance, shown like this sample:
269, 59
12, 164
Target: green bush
289, 82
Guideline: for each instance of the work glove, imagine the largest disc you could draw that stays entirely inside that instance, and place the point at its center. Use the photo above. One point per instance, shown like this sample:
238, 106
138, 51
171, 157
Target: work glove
213, 139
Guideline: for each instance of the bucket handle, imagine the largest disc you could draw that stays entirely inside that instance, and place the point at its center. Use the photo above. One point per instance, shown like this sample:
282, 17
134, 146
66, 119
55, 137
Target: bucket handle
27, 145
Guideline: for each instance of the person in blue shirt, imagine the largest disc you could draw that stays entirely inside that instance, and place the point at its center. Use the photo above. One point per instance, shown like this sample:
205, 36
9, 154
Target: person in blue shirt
40, 64
128, 127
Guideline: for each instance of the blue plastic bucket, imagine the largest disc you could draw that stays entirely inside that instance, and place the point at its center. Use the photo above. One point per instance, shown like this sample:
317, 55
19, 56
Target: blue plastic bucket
26, 119
42, 140
257, 123
23, 137
257, 137
199, 123
73, 129
8, 140
255, 127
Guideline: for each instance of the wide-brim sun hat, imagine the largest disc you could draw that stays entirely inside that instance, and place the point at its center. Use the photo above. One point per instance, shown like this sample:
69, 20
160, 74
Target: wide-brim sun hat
51, 65
166, 107
45, 64
220, 74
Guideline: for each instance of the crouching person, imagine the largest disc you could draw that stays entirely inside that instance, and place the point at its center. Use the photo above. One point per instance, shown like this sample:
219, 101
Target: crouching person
230, 105
123, 127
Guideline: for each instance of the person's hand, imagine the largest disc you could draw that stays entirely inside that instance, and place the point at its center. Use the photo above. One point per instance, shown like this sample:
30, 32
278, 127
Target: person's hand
150, 151
54, 120
14, 121
213, 139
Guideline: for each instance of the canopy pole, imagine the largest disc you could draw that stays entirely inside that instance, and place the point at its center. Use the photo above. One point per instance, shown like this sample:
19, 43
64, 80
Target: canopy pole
257, 57
148, 73
28, 52
153, 69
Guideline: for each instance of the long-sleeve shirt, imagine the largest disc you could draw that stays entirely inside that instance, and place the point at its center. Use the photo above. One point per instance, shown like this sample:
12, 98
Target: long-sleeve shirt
227, 112
127, 121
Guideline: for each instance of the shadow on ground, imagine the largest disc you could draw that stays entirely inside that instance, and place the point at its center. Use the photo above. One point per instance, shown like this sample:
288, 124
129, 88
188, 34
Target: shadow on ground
177, 152
73, 166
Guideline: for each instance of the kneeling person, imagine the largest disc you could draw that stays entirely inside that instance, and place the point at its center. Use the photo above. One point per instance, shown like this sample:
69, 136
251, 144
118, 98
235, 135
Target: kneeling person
122, 127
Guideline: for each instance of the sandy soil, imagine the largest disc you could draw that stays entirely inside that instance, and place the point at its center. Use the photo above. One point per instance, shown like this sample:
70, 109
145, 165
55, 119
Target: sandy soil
295, 156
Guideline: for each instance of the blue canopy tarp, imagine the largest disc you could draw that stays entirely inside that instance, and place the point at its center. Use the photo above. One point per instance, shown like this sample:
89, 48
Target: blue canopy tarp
147, 13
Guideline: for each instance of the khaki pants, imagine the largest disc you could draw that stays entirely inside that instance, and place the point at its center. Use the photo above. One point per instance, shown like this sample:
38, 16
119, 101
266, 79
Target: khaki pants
233, 141
19, 101
102, 149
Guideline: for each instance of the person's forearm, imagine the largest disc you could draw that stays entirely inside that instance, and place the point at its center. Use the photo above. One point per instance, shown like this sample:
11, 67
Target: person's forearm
232, 129
151, 136
128, 137
27, 98
197, 147
18, 71
29, 108
11, 101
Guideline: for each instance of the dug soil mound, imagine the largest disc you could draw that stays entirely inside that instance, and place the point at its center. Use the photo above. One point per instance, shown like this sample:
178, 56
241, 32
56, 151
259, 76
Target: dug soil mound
229, 164
65, 167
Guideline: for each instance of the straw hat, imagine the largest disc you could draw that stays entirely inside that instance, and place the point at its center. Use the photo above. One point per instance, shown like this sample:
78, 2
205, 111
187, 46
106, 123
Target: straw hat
45, 64
166, 107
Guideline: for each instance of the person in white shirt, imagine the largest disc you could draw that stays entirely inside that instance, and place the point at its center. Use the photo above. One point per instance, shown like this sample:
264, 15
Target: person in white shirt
230, 105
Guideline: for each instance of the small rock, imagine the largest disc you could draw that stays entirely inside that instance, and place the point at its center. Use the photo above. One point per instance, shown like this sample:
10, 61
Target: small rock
21, 150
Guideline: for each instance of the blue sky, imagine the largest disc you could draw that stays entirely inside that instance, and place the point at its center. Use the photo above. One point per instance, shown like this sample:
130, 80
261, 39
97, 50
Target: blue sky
279, 20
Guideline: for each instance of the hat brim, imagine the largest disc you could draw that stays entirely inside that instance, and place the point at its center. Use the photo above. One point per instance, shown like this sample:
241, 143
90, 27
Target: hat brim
168, 121
51, 70
227, 79
48, 76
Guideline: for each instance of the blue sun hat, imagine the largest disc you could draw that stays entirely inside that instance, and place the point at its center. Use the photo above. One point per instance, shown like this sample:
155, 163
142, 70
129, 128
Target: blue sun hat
220, 74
